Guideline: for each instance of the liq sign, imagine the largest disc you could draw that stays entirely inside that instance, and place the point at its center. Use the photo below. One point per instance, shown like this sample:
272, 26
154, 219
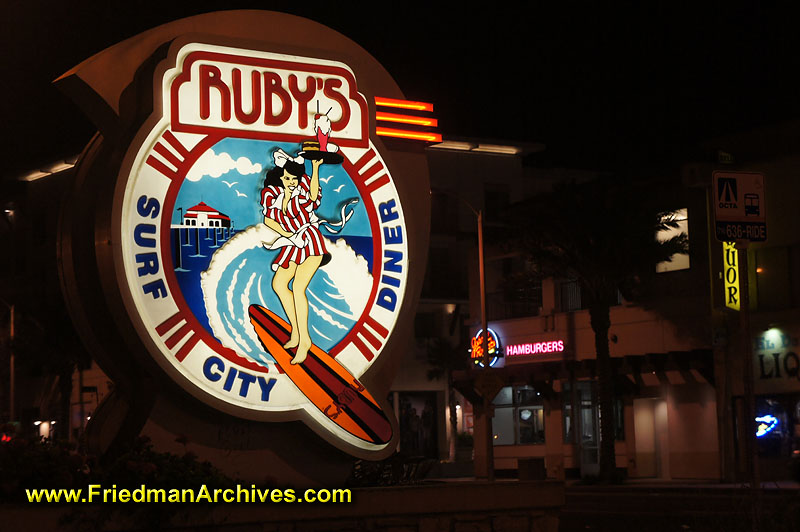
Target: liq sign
261, 240
730, 262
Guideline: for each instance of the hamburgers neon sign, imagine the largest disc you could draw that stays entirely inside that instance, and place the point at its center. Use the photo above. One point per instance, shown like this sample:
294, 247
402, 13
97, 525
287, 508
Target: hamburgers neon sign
556, 346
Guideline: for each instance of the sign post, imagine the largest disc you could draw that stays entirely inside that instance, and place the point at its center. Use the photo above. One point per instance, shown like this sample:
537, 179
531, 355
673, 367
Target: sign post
751, 445
740, 216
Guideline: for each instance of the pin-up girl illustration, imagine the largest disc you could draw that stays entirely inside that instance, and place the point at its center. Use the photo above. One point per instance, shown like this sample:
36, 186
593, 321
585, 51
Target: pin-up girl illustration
289, 201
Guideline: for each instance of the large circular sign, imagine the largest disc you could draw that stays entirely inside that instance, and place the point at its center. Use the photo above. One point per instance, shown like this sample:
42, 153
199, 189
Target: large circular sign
263, 246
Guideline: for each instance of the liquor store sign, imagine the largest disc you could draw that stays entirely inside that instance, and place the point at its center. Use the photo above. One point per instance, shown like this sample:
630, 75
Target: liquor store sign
730, 274
777, 361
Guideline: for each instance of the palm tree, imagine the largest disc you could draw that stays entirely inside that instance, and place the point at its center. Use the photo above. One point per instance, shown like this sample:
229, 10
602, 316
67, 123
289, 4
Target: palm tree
603, 234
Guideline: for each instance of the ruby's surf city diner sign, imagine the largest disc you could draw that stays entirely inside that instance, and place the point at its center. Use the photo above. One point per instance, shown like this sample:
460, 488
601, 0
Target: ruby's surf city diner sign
262, 246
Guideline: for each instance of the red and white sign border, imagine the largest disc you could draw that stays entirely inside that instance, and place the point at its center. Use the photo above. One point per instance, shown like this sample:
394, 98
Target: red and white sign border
154, 168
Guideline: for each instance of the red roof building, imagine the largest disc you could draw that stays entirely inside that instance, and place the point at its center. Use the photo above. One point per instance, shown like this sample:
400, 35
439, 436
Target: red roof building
202, 215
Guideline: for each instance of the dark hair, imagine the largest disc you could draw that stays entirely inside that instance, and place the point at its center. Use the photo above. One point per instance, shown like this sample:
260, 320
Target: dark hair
273, 176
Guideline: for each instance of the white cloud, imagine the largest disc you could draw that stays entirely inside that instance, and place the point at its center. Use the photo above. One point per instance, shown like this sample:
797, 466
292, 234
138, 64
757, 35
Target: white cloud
211, 164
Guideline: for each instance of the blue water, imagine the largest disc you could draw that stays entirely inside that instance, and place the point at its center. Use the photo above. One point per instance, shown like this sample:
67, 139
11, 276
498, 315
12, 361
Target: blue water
192, 263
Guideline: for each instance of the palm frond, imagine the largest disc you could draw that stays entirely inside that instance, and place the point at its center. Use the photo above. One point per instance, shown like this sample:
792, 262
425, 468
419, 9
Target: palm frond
602, 233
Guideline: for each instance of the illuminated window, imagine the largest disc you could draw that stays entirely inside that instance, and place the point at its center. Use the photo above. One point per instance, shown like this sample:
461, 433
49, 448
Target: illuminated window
518, 416
679, 261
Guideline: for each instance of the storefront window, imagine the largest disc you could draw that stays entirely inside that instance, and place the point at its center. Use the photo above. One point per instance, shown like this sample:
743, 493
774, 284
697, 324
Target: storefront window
679, 261
518, 416
774, 427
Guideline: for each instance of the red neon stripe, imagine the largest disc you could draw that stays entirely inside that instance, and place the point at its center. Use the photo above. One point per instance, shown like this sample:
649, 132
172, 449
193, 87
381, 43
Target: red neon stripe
411, 135
405, 119
403, 104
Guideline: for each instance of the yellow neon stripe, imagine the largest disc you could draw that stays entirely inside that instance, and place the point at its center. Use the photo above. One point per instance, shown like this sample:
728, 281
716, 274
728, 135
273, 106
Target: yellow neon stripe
403, 104
412, 135
403, 119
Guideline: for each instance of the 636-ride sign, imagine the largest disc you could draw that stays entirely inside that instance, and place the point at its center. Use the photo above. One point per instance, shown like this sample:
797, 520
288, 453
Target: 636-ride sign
739, 206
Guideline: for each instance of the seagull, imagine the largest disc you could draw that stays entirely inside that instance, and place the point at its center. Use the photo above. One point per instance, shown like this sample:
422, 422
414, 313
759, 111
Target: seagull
240, 194
229, 184
340, 187
325, 180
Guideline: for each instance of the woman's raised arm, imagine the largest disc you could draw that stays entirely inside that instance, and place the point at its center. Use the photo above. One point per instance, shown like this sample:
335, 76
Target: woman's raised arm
313, 192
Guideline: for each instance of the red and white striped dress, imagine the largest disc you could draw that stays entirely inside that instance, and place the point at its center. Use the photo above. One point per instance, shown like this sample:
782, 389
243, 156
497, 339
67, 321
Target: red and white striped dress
299, 213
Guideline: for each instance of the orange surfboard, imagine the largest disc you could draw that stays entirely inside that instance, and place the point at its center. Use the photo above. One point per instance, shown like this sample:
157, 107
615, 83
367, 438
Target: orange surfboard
326, 383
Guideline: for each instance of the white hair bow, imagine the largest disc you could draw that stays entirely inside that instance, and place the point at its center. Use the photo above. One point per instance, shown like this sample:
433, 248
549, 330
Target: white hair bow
280, 157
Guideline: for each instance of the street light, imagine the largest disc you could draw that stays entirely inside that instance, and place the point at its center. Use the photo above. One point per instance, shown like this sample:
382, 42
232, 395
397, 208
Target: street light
487, 401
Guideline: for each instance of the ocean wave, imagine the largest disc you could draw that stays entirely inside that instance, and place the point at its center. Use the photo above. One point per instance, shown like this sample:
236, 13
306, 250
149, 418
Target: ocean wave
325, 316
236, 277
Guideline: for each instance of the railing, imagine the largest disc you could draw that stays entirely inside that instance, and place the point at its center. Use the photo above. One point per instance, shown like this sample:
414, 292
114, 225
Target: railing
569, 295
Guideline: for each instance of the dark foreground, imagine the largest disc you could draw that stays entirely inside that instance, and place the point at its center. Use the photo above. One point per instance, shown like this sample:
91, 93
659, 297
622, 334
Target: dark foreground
677, 508
439, 507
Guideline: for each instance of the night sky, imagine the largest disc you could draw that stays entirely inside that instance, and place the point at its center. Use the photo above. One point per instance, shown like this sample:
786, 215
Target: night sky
603, 88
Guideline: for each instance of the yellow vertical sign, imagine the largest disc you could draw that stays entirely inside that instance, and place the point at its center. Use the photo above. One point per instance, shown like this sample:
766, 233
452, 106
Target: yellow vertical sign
730, 272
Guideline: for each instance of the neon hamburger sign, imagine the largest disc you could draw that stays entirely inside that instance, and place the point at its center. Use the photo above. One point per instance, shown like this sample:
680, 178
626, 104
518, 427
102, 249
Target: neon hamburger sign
493, 345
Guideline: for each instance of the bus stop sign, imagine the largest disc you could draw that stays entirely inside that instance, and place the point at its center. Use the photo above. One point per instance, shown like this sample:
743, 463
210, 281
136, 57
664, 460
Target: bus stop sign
739, 206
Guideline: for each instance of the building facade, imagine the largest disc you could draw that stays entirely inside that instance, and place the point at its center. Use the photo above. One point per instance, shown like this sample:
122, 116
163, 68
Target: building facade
773, 272
679, 358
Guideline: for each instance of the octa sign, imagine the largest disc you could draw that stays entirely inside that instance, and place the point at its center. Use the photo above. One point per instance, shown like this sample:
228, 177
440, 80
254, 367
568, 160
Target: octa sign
739, 206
